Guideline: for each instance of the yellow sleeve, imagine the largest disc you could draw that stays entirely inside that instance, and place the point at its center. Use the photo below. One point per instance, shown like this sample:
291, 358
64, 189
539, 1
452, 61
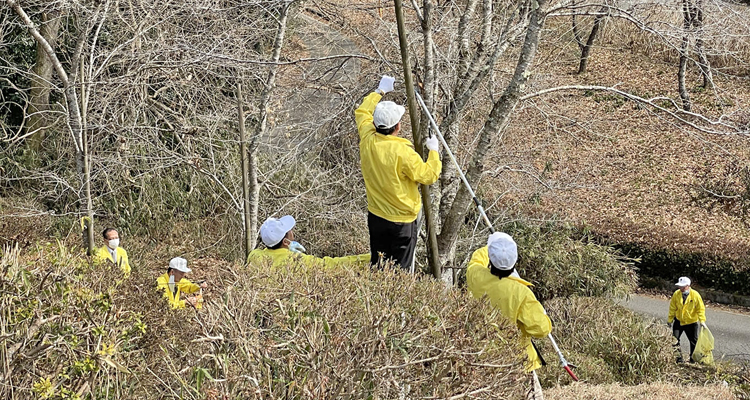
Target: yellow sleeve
363, 114
124, 263
358, 259
672, 308
176, 303
701, 308
420, 171
532, 319
188, 287
100, 255
480, 261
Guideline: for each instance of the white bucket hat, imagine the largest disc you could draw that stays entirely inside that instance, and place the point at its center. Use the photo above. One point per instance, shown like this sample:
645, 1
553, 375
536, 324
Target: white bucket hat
683, 281
502, 250
179, 264
387, 114
273, 230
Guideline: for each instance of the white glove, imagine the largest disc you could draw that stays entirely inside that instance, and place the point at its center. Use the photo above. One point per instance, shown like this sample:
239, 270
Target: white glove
432, 143
296, 247
703, 324
386, 84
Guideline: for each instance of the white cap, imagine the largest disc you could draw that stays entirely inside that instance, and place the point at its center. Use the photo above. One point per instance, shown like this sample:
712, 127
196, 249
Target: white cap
683, 281
179, 264
273, 230
503, 251
387, 114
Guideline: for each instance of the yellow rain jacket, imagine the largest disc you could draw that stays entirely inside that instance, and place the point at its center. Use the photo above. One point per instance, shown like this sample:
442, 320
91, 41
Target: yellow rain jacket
514, 300
692, 311
283, 256
183, 286
102, 254
391, 168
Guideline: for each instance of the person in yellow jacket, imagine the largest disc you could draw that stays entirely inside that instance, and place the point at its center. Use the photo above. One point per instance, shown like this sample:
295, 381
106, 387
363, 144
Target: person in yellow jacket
282, 249
174, 284
490, 273
112, 251
392, 170
686, 312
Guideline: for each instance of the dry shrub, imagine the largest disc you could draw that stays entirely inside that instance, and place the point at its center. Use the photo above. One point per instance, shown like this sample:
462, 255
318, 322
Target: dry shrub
18, 225
653, 391
607, 342
560, 265
301, 332
77, 331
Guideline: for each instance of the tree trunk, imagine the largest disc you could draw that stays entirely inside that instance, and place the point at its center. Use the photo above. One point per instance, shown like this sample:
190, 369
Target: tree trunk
496, 122
262, 126
88, 233
71, 97
687, 19
246, 204
703, 63
586, 50
432, 249
41, 76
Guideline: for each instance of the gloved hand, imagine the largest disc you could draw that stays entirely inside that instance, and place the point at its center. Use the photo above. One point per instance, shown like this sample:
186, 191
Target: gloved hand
703, 324
296, 247
432, 143
669, 325
386, 84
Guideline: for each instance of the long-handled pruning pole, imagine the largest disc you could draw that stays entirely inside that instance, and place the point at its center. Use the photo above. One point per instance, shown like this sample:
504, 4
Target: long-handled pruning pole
434, 125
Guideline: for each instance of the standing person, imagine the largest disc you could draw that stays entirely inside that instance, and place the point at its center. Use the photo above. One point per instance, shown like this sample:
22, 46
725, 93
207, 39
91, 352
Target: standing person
392, 170
112, 252
686, 311
490, 273
174, 283
281, 248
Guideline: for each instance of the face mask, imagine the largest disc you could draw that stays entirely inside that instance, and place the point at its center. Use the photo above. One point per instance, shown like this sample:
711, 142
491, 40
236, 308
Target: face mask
113, 243
686, 291
171, 283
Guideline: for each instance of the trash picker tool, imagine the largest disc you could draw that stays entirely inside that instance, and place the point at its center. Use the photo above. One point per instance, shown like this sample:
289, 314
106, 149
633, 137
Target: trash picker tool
434, 125
563, 361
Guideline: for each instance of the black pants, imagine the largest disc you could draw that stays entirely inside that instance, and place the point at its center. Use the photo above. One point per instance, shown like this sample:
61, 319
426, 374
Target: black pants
691, 331
393, 240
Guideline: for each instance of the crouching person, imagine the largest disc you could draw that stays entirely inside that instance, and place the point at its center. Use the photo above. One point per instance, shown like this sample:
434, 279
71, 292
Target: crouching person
490, 273
282, 249
174, 283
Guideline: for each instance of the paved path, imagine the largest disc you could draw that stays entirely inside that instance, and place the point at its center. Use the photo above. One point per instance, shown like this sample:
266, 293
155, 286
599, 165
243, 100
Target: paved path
731, 330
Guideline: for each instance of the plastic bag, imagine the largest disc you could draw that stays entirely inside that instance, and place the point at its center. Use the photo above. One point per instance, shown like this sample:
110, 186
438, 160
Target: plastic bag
704, 348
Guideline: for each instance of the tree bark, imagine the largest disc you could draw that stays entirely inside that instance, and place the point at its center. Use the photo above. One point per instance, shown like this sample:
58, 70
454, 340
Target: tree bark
496, 122
41, 85
71, 97
432, 249
247, 217
681, 85
586, 50
703, 63
262, 126
88, 234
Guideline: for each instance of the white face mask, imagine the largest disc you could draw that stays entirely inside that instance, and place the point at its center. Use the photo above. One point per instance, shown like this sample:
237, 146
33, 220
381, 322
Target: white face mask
686, 291
113, 243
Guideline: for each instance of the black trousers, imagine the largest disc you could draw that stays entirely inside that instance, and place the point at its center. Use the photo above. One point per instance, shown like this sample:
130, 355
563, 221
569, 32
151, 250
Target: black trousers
392, 240
691, 331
